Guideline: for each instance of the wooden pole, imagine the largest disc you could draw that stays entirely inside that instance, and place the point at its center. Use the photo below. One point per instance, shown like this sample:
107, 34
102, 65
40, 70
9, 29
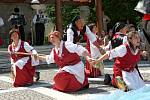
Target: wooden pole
58, 6
99, 15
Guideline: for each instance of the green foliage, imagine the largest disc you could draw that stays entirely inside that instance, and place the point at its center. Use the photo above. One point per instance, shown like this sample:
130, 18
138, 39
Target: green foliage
92, 15
68, 13
117, 10
50, 10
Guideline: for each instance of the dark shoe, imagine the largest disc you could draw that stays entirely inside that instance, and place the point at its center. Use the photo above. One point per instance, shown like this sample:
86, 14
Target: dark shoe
37, 76
107, 79
86, 86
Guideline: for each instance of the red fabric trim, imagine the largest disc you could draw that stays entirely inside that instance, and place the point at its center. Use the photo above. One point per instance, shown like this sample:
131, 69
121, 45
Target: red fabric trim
146, 17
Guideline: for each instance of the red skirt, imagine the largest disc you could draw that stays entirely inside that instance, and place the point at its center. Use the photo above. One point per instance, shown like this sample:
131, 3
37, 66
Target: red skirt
117, 72
67, 82
24, 76
90, 70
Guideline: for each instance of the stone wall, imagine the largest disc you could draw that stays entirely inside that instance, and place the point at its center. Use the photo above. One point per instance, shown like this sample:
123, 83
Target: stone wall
5, 12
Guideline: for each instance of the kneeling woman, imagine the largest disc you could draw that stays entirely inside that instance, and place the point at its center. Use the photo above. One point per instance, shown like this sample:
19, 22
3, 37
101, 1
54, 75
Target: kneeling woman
71, 74
23, 64
127, 56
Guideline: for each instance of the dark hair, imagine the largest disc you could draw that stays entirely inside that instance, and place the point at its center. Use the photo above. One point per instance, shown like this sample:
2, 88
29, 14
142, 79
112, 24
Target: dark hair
91, 26
117, 27
73, 22
75, 19
131, 26
16, 9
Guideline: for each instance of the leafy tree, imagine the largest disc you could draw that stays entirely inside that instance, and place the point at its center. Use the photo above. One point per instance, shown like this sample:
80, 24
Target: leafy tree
68, 13
117, 10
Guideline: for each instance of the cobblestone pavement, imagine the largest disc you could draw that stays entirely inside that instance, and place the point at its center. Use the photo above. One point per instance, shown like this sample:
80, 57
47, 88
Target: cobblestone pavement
42, 90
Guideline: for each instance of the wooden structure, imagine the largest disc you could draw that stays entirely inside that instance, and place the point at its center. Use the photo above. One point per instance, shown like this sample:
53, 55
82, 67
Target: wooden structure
58, 5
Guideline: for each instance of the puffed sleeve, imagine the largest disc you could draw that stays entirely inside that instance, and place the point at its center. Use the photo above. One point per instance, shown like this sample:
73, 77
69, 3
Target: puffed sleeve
27, 47
108, 46
50, 58
125, 39
117, 52
30, 49
75, 48
90, 35
70, 34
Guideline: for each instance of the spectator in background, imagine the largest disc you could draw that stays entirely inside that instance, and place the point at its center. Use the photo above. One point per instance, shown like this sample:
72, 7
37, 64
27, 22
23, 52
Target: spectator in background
39, 20
18, 20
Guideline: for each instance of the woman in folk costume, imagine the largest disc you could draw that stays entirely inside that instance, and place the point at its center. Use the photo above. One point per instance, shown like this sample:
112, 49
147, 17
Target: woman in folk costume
119, 35
71, 75
126, 57
76, 31
23, 65
94, 71
118, 38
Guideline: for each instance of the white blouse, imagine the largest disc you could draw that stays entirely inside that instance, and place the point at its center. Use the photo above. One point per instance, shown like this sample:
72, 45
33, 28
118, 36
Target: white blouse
119, 52
71, 47
27, 48
77, 69
90, 35
109, 46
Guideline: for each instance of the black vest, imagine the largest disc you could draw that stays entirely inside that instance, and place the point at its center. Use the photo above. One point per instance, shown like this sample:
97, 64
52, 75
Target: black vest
76, 37
117, 40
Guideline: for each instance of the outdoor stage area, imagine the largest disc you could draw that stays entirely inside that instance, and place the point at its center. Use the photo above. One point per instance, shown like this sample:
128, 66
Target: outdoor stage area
42, 90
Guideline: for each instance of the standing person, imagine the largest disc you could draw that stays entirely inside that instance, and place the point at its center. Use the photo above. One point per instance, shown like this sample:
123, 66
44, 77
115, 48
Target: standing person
23, 65
39, 20
18, 20
94, 52
77, 30
71, 75
126, 57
